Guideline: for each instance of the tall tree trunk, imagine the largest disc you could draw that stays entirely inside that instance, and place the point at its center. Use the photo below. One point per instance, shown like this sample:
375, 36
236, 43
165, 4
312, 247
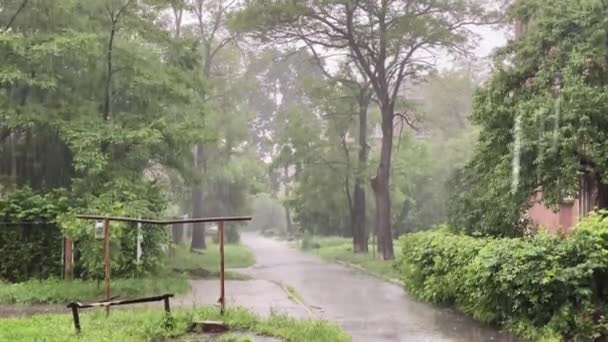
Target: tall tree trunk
198, 229
602, 194
360, 236
287, 213
13, 155
380, 185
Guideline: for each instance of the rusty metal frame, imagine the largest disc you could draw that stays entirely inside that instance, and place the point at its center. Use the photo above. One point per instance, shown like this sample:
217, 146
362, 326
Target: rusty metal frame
75, 306
106, 244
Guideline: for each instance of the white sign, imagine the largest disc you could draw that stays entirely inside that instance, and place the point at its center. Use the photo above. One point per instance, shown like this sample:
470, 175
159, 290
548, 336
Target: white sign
140, 240
99, 230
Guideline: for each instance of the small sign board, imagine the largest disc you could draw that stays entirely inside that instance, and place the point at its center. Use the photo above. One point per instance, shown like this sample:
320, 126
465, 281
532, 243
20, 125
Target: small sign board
99, 230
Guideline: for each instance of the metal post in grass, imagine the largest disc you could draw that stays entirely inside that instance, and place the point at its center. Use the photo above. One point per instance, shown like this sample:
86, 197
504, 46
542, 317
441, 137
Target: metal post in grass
106, 261
222, 288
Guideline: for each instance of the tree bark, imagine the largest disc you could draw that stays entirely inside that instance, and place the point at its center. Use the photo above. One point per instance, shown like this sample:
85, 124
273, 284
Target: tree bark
380, 185
198, 229
287, 213
360, 236
602, 194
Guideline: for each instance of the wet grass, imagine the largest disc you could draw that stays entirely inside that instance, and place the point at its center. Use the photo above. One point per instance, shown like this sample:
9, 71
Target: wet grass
58, 291
147, 325
235, 256
180, 267
294, 295
338, 249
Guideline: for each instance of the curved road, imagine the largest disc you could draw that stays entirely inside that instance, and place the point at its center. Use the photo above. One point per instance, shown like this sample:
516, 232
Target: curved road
369, 309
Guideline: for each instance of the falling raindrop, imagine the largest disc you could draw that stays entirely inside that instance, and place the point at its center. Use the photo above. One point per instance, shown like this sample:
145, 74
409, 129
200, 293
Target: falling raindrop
516, 154
558, 105
557, 89
541, 135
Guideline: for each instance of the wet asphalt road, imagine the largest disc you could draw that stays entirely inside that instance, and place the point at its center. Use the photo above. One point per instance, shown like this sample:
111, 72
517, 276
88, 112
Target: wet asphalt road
369, 309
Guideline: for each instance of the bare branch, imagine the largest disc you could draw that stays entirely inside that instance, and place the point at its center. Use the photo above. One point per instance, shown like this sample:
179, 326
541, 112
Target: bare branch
15, 15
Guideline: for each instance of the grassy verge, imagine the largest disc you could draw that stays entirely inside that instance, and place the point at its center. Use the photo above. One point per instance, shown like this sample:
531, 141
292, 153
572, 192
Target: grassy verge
181, 266
235, 256
60, 292
146, 325
337, 249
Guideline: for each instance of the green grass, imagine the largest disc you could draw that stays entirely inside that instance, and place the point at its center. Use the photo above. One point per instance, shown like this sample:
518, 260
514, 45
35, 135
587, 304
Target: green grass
294, 295
146, 325
173, 280
61, 292
235, 256
341, 249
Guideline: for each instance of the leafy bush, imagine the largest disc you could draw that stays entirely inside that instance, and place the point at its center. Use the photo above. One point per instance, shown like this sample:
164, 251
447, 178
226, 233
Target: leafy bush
29, 249
307, 241
231, 234
123, 199
542, 287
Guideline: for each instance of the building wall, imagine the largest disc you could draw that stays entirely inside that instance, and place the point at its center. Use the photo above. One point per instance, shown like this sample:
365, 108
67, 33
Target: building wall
562, 220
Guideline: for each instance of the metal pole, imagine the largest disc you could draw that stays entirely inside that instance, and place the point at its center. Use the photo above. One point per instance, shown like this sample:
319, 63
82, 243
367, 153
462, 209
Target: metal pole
106, 260
75, 317
167, 307
222, 289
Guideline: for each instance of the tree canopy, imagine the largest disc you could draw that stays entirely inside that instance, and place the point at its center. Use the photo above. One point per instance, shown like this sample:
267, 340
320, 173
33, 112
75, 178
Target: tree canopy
541, 117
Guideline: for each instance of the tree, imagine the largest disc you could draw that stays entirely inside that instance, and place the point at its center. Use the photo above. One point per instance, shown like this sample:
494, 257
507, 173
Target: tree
542, 119
100, 100
209, 28
389, 41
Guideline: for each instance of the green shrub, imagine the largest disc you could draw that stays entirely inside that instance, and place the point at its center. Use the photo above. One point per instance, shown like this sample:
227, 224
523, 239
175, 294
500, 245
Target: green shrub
541, 287
307, 241
231, 234
30, 250
431, 264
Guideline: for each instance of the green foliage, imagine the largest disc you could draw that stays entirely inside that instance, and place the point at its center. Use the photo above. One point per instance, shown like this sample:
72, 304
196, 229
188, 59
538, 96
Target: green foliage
121, 325
544, 286
338, 249
235, 256
307, 241
110, 137
552, 81
420, 179
35, 250
232, 234
150, 325
30, 250
324, 159
58, 291
268, 214
281, 326
432, 263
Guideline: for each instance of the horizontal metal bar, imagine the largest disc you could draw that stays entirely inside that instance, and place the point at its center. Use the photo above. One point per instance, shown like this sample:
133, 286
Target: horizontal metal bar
165, 222
120, 302
33, 223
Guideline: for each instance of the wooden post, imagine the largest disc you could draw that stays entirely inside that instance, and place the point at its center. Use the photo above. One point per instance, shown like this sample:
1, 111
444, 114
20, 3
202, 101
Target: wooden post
106, 260
222, 289
68, 259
